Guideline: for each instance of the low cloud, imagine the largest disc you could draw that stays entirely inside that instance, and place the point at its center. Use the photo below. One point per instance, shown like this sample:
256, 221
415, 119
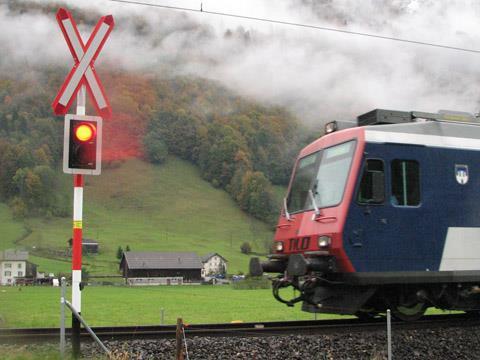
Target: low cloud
318, 75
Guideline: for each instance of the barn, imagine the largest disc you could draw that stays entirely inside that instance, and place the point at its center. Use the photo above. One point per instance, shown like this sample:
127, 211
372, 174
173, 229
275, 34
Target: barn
161, 268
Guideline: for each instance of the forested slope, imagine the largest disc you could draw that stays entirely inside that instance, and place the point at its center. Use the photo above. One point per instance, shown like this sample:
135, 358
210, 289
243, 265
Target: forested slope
237, 144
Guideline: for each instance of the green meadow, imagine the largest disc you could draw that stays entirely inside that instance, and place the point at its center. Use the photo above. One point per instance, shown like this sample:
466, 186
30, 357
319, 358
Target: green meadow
149, 208
39, 306
121, 305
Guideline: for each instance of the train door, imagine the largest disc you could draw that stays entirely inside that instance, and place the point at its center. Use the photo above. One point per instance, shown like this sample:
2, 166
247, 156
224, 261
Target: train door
364, 219
387, 227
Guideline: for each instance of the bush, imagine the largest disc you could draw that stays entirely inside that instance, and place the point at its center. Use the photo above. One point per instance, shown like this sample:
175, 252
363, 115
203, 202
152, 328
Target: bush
246, 248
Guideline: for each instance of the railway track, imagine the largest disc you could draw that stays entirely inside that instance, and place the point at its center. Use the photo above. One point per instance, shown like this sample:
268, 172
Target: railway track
33, 335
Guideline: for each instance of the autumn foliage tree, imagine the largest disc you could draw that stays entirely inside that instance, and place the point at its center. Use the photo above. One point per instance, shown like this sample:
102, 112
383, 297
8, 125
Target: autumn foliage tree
256, 196
155, 149
30, 148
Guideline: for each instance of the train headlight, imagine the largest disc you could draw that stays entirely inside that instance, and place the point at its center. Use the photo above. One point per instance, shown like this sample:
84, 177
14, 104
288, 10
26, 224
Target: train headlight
324, 241
278, 246
331, 127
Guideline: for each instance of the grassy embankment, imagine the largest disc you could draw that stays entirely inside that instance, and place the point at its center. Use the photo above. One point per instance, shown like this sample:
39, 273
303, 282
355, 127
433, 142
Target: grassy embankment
149, 208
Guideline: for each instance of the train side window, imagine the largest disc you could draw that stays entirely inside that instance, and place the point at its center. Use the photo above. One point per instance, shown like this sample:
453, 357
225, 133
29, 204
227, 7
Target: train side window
372, 185
405, 183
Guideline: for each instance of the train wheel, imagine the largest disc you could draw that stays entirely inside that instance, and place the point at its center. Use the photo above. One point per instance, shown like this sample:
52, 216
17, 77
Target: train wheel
409, 313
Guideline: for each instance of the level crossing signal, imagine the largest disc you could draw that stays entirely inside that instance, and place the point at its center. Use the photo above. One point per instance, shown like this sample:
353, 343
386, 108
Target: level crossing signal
83, 72
82, 144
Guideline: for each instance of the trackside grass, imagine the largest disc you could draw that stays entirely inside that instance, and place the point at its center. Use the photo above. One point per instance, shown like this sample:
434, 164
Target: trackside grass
122, 305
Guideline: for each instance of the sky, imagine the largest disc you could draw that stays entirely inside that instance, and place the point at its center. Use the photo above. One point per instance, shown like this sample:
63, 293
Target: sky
318, 75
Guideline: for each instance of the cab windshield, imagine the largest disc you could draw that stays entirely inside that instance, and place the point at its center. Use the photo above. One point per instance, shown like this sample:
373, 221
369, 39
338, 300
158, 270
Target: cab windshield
325, 173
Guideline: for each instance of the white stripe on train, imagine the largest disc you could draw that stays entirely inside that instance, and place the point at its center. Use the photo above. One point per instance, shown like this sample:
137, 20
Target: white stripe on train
461, 250
420, 139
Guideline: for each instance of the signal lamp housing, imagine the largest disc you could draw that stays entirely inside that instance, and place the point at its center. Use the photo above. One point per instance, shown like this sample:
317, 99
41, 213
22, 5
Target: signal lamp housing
82, 147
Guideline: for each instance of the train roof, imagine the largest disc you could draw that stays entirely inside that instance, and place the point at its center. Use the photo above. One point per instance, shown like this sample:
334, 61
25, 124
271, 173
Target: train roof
427, 133
446, 128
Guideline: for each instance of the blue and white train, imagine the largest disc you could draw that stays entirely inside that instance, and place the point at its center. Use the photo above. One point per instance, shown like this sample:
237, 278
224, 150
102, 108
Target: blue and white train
384, 215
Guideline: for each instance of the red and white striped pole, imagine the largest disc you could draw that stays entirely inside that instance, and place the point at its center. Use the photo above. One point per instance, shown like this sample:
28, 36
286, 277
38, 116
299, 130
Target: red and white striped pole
77, 241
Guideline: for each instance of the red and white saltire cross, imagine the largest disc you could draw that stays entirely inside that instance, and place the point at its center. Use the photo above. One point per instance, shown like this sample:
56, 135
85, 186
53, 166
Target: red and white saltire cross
83, 72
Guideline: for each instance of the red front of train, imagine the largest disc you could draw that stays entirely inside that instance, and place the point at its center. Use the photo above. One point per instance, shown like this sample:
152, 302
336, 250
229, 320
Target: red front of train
309, 234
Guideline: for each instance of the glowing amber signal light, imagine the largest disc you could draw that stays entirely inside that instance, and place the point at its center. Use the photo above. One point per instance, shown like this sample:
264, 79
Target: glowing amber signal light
82, 145
84, 132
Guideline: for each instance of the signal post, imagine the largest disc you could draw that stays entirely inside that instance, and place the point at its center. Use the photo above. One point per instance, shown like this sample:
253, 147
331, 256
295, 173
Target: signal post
77, 260
82, 134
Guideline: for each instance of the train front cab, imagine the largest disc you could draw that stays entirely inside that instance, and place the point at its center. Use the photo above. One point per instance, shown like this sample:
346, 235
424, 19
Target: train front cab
390, 227
308, 244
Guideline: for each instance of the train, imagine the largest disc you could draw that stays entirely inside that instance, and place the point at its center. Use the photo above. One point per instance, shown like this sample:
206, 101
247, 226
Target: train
382, 214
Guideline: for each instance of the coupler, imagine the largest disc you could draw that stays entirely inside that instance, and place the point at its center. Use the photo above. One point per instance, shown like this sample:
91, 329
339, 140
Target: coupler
257, 267
297, 265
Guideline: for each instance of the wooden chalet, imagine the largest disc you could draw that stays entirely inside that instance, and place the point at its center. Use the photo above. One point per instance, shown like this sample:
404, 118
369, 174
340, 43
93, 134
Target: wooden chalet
158, 268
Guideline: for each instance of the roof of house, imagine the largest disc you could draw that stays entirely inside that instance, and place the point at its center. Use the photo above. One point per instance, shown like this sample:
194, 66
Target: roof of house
14, 255
210, 255
162, 260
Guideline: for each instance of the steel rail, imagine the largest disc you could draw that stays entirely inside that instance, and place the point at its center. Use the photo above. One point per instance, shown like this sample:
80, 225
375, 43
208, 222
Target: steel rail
32, 335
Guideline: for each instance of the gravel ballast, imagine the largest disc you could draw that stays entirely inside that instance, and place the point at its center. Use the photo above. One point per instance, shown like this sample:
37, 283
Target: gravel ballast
446, 343
449, 343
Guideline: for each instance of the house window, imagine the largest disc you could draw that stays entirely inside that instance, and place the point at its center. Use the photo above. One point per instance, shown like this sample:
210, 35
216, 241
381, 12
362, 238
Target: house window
8, 265
19, 265
8, 273
20, 273
405, 183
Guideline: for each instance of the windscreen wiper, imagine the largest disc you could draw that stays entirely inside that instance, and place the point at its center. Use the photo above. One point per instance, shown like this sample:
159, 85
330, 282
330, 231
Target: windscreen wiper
314, 203
285, 209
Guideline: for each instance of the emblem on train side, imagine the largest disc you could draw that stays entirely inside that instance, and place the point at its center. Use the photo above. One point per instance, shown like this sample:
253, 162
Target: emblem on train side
461, 174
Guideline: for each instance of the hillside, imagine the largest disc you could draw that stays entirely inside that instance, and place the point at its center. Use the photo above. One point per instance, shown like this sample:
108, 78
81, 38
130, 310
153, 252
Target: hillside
148, 207
189, 165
